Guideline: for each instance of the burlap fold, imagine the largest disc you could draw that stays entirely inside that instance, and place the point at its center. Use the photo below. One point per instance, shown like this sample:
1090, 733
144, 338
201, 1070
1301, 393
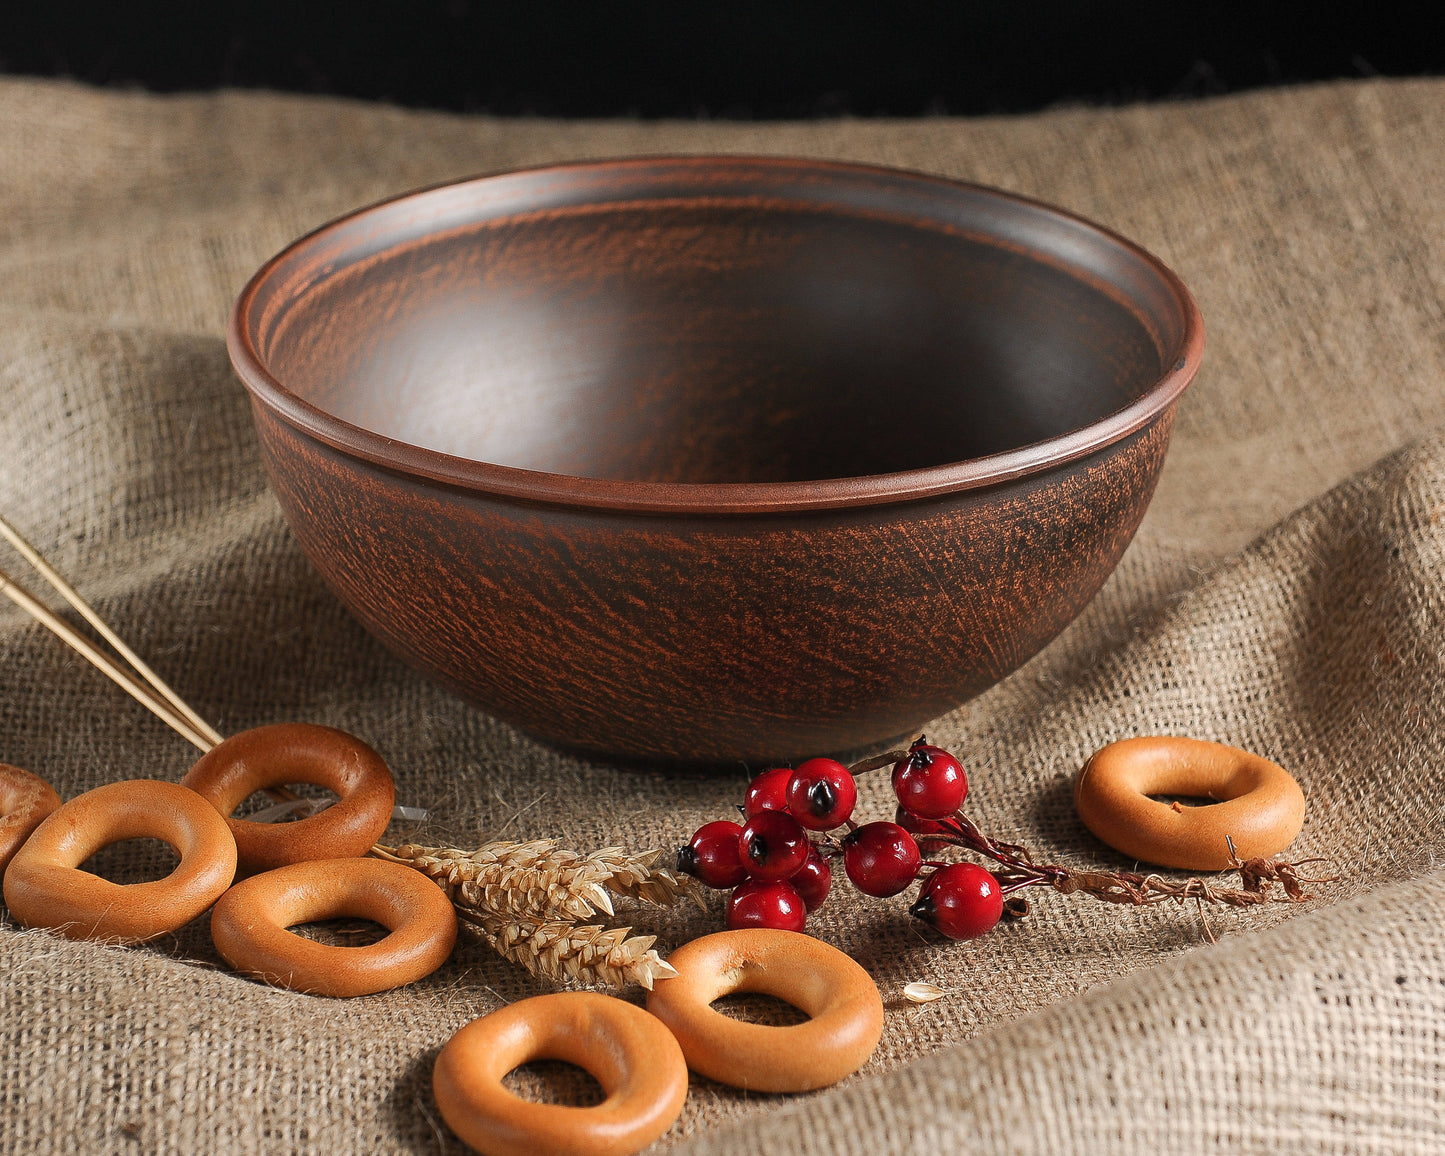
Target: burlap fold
1284, 594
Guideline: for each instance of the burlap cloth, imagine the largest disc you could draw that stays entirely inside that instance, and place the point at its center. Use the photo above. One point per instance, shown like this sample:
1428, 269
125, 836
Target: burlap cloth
1285, 594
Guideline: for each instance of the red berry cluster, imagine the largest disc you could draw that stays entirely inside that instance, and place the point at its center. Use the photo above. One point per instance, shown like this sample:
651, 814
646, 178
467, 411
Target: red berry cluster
778, 874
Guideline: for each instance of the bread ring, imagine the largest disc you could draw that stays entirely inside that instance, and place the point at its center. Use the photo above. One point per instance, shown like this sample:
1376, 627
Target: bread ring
839, 996
630, 1053
25, 799
249, 926
45, 888
1262, 811
298, 753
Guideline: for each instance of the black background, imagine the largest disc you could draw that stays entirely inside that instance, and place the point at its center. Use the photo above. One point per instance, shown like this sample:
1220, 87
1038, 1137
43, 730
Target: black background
748, 59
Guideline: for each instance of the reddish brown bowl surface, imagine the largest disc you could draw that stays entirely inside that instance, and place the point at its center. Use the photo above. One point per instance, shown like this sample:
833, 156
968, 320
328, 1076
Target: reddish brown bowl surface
711, 458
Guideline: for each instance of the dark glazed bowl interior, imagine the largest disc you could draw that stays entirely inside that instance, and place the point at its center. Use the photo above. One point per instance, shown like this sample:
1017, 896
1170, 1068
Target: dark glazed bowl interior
707, 338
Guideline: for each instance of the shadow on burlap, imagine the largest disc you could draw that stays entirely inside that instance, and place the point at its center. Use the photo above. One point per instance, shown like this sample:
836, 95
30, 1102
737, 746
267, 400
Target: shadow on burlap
1307, 221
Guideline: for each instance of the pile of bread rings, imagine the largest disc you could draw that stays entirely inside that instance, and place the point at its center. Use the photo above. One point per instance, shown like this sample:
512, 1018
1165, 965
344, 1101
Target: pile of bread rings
260, 879
641, 1058
291, 873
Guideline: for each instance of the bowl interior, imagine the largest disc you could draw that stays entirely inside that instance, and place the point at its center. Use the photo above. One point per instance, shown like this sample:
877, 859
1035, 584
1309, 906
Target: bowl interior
702, 336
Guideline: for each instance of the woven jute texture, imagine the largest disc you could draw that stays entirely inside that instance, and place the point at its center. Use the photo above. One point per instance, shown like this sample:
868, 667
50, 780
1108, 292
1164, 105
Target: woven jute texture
1284, 594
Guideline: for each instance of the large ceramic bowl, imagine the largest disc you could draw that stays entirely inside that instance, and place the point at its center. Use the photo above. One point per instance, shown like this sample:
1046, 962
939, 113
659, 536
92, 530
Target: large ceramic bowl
712, 458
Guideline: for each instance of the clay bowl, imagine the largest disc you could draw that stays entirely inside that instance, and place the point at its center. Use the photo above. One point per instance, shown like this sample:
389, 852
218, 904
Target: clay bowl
705, 459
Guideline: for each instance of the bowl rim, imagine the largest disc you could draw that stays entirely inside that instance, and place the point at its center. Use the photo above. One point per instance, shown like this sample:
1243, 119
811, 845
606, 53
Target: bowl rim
704, 498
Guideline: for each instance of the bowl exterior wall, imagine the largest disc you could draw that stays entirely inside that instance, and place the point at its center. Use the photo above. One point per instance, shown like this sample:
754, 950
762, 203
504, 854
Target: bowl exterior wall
762, 637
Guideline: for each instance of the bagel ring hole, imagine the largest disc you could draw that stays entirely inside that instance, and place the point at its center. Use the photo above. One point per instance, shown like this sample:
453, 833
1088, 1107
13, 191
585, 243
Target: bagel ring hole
127, 861
757, 1007
554, 1082
260, 803
343, 931
1188, 800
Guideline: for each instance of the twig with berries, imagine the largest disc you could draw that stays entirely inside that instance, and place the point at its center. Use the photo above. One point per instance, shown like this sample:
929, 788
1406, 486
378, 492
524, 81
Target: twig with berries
778, 874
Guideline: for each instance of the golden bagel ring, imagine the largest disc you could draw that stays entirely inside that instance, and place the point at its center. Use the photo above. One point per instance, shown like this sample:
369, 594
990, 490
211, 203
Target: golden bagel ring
44, 886
1262, 808
25, 799
841, 999
249, 926
630, 1053
298, 753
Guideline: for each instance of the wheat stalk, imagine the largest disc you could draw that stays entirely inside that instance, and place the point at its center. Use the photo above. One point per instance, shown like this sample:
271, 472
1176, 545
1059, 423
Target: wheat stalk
540, 878
570, 953
526, 901
639, 877
536, 879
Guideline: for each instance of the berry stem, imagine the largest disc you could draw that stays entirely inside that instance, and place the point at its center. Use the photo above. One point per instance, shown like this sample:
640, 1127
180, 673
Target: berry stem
1128, 887
877, 762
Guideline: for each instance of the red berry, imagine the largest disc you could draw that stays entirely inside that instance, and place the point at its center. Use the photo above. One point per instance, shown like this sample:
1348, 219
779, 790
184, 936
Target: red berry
881, 859
962, 900
813, 880
768, 792
930, 782
772, 845
771, 903
712, 855
921, 829
821, 794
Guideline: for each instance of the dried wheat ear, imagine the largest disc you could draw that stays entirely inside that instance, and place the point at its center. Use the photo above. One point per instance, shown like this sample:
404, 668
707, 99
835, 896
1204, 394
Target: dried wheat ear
527, 900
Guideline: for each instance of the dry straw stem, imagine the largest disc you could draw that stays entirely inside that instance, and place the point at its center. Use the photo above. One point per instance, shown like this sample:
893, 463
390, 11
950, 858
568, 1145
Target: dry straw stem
101, 661
58, 583
139, 681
